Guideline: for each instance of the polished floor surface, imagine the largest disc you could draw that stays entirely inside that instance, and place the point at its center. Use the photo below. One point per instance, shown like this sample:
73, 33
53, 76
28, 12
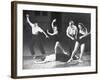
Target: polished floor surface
29, 64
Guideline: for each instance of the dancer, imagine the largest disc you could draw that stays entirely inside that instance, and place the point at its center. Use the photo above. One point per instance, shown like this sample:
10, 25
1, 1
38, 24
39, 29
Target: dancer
56, 56
80, 42
55, 31
72, 32
36, 36
63, 56
82, 39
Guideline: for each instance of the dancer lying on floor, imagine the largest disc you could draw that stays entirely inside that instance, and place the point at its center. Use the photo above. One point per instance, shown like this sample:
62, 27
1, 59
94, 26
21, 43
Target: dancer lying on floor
56, 56
63, 56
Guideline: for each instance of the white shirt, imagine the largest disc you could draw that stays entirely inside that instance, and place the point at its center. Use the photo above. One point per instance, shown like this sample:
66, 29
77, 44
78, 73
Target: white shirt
36, 29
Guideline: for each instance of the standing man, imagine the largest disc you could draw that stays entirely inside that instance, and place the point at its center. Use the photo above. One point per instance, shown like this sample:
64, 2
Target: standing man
36, 37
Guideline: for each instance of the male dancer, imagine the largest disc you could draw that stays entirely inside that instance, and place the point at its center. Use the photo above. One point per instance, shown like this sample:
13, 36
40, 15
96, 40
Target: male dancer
36, 37
72, 32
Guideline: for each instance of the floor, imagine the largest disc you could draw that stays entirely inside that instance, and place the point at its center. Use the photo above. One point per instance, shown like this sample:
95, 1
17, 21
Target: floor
29, 64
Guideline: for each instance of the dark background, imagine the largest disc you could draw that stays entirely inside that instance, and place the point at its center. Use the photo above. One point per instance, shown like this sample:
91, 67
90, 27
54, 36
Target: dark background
44, 19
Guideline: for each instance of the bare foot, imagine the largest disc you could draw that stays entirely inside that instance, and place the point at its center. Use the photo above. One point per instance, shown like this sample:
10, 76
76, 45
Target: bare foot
80, 61
70, 60
66, 53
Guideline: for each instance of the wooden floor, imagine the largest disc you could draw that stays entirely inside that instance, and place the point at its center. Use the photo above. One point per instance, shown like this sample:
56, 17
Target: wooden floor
29, 64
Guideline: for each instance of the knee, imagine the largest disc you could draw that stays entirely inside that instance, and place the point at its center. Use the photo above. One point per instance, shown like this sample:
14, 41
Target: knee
82, 45
57, 44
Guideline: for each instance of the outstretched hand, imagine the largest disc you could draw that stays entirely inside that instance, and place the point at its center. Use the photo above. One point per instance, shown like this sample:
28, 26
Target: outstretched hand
72, 38
81, 37
47, 36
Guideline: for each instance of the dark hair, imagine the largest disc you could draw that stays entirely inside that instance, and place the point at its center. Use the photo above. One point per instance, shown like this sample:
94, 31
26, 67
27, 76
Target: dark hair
71, 21
83, 28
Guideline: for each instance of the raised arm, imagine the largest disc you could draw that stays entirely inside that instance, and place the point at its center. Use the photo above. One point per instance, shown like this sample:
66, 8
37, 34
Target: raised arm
27, 17
52, 24
67, 33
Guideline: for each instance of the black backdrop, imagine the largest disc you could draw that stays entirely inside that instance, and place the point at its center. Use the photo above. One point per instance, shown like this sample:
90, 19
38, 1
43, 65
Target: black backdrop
45, 18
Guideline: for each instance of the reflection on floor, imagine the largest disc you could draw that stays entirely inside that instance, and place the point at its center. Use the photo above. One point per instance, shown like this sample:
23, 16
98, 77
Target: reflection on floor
28, 63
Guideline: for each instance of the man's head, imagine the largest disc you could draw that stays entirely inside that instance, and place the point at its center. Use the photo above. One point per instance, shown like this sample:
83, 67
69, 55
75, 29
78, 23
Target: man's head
71, 22
36, 24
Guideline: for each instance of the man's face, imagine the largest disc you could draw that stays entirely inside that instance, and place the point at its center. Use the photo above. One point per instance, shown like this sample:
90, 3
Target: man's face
36, 24
71, 23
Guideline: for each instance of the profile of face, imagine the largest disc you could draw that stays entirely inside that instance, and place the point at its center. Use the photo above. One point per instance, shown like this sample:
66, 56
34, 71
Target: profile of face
79, 26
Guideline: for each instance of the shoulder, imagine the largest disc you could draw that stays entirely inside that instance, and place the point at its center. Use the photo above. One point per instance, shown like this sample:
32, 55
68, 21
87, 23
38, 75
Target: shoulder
75, 27
68, 27
40, 29
32, 24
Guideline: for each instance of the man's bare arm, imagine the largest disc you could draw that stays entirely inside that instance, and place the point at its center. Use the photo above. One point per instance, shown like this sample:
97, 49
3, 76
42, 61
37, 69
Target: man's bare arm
67, 33
27, 17
43, 32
